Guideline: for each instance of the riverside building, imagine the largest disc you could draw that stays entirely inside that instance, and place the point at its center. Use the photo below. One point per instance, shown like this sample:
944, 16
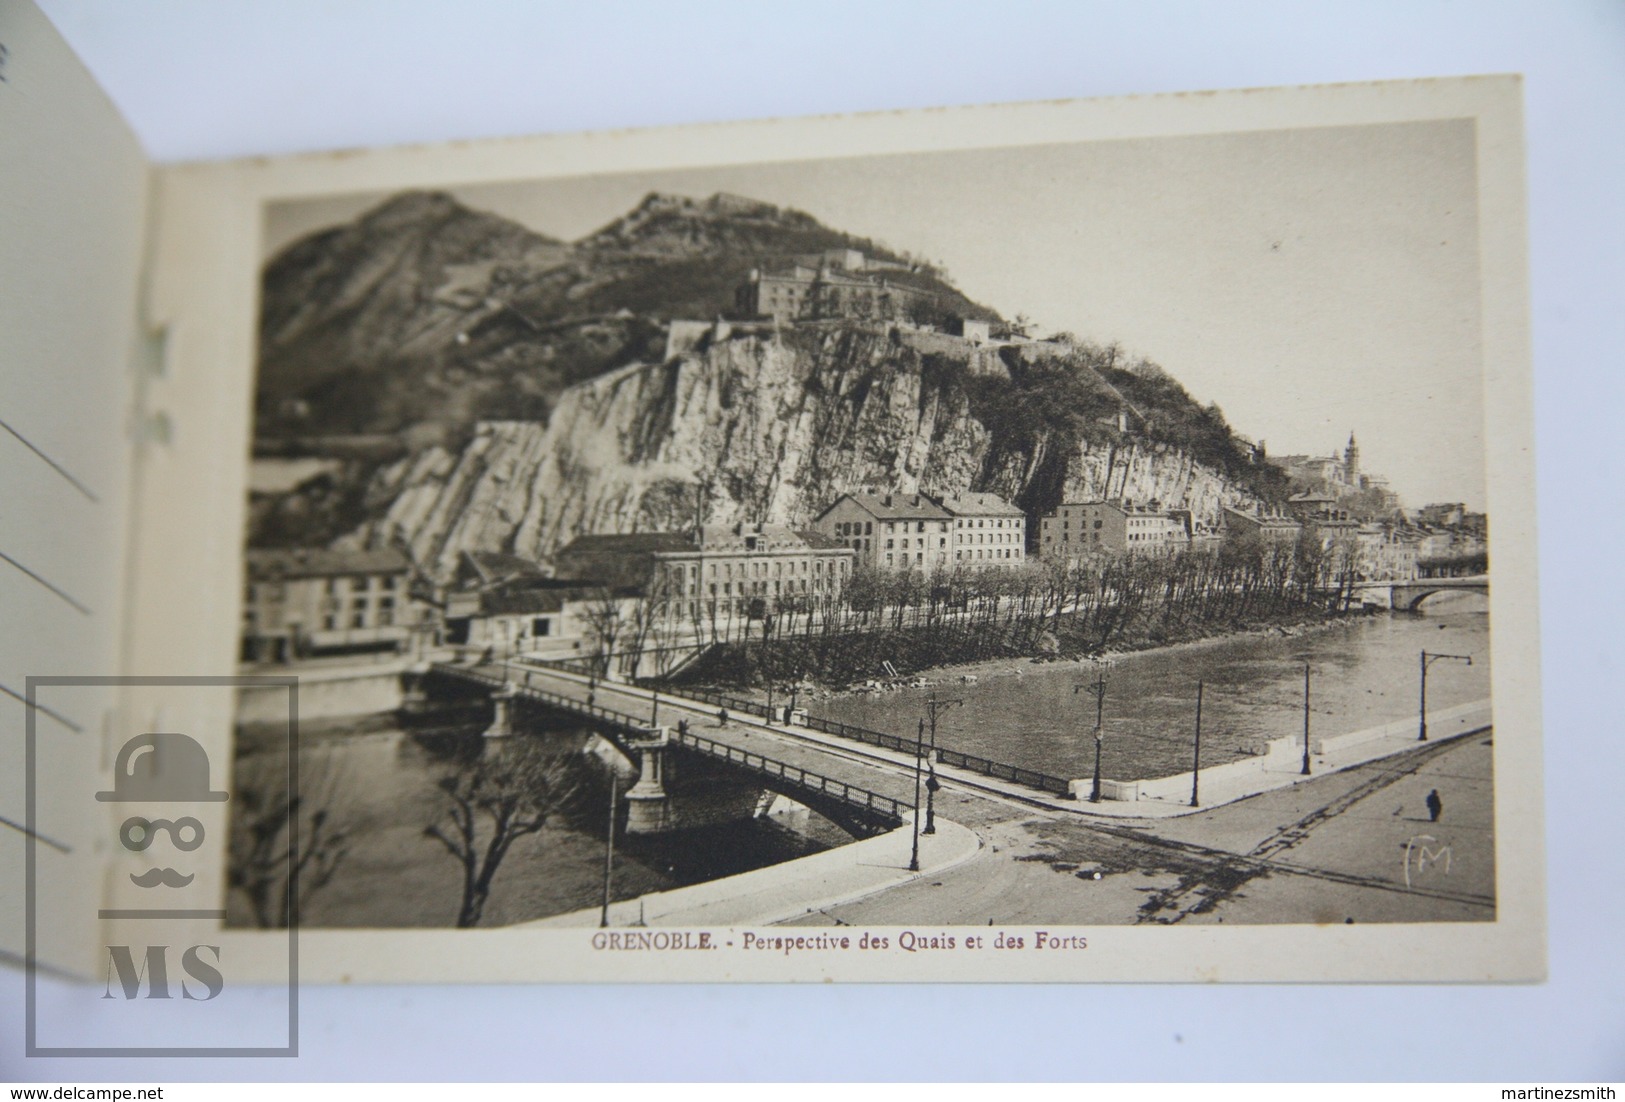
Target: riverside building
1080, 528
891, 531
305, 602
927, 534
987, 531
748, 570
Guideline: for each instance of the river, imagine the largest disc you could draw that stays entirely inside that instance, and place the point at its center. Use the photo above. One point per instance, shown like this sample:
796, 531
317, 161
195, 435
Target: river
378, 778
1363, 672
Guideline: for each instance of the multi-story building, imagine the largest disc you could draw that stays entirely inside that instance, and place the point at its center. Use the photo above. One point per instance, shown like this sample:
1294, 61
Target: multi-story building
740, 569
526, 615
1334, 471
1199, 535
931, 535
986, 531
1387, 552
304, 602
1447, 514
1269, 527
802, 292
892, 531
1315, 505
1432, 543
1082, 527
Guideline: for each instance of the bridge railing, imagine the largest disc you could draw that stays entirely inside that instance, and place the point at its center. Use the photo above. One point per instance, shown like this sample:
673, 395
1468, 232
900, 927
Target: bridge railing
739, 704
1044, 782
547, 696
865, 735
1030, 778
850, 794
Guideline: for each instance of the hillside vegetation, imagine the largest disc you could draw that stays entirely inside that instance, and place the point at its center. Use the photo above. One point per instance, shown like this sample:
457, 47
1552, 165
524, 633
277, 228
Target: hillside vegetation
491, 388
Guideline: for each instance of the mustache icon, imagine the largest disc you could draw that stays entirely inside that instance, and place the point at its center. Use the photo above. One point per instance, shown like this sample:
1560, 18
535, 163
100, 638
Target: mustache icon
169, 878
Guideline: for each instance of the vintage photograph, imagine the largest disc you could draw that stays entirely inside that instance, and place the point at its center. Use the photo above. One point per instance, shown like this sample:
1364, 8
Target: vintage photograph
1079, 534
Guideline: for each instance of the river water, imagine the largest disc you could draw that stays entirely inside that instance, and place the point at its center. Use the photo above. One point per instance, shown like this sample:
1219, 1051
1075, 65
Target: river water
1363, 672
379, 780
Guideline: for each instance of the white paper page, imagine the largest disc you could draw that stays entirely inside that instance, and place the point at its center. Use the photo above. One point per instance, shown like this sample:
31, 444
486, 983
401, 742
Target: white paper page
73, 190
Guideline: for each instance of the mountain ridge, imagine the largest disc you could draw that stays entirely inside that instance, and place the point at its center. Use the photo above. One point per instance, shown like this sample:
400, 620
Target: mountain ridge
485, 350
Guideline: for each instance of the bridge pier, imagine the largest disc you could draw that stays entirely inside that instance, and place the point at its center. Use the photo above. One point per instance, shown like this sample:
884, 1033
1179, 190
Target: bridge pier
502, 721
648, 806
413, 692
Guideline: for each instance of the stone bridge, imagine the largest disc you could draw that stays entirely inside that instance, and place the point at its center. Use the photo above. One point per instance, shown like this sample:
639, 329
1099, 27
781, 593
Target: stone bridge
1405, 596
841, 789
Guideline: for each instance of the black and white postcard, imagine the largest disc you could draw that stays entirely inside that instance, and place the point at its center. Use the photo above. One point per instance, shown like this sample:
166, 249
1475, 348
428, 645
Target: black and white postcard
1041, 542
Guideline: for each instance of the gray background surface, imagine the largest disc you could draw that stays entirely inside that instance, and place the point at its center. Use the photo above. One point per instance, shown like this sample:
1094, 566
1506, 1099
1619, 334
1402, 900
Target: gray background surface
208, 79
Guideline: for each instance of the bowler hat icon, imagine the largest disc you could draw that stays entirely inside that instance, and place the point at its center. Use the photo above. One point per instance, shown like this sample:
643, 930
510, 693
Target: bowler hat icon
161, 767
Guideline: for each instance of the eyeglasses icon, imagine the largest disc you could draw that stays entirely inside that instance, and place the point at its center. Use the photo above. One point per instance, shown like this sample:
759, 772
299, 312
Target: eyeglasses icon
138, 833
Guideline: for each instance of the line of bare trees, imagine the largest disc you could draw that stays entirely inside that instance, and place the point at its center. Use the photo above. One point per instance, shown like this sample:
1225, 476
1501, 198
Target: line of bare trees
1087, 605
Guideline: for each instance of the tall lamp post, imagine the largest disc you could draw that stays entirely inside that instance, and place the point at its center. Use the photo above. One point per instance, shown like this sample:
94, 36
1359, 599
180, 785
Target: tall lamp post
1422, 713
1096, 689
919, 743
933, 706
1306, 719
1196, 755
609, 850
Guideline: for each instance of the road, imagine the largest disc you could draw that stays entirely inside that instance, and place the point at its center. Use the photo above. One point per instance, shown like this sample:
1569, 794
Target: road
1355, 846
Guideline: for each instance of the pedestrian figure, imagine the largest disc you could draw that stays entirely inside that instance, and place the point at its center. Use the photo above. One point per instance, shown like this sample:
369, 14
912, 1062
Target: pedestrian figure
682, 727
722, 717
1435, 805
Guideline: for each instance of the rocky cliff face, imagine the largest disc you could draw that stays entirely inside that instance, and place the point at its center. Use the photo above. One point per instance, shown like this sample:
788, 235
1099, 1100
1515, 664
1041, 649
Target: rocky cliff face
764, 427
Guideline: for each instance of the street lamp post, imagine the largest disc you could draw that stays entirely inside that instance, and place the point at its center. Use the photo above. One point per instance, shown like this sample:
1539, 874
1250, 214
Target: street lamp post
1427, 660
931, 784
919, 742
609, 850
1096, 689
1196, 756
1306, 719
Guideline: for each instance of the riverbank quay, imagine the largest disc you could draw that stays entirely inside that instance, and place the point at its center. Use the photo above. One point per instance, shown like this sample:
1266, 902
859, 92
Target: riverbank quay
1351, 847
1026, 858
1282, 766
792, 889
1163, 797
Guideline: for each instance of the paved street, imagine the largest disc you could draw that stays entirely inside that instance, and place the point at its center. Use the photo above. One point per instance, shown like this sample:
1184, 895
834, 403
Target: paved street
1354, 845
1331, 850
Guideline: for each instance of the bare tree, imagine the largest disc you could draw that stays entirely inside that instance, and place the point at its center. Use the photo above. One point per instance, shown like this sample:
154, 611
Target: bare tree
508, 793
602, 613
277, 873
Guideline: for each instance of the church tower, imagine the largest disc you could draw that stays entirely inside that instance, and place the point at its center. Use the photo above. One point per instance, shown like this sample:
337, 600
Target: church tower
1351, 462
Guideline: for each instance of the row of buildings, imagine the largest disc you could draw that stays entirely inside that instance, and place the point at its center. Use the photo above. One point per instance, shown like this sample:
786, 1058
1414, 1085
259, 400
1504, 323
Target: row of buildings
1393, 549
300, 603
